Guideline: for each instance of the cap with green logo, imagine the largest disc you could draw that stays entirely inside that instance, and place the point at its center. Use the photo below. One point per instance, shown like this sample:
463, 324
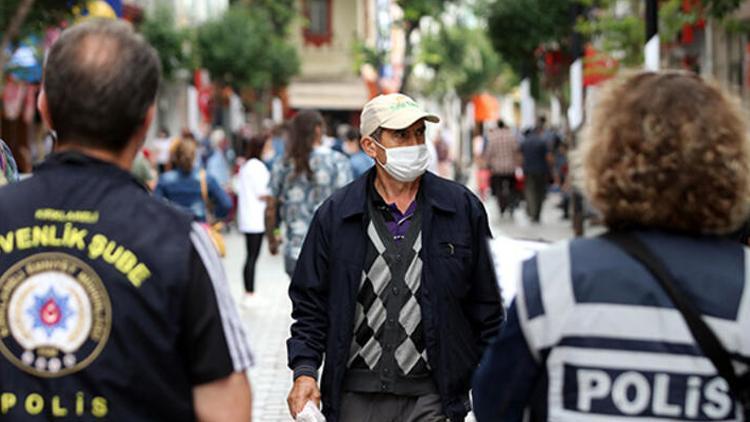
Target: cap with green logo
392, 111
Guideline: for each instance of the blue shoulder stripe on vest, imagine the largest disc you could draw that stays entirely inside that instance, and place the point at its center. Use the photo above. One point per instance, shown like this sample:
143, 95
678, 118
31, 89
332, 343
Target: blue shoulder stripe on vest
629, 345
531, 289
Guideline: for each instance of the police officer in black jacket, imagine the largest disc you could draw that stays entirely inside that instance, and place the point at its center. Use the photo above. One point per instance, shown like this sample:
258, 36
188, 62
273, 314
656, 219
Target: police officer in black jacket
112, 304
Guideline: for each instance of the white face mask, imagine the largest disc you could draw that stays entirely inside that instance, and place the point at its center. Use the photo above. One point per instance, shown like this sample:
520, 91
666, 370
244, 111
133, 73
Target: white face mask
405, 164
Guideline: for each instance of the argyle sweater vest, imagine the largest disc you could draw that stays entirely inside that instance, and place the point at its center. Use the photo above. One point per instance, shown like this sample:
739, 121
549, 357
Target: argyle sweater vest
388, 349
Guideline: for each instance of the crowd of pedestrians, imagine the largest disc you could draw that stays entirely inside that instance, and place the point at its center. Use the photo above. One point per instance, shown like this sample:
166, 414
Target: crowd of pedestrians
114, 302
524, 166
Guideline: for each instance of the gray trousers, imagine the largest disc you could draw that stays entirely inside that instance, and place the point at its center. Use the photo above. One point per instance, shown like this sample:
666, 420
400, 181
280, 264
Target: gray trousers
536, 190
375, 407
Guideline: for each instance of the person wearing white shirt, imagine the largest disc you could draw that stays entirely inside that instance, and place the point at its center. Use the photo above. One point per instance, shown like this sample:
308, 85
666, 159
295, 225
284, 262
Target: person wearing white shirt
161, 147
252, 192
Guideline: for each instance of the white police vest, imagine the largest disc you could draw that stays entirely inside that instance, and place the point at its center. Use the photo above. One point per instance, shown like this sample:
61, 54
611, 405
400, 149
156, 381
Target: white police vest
613, 344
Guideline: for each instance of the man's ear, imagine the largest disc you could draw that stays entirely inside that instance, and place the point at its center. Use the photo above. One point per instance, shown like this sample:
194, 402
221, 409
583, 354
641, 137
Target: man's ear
150, 116
43, 106
140, 134
369, 147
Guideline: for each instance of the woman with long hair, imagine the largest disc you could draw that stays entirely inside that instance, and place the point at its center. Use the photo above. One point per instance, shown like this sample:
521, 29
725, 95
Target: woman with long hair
183, 185
308, 174
252, 194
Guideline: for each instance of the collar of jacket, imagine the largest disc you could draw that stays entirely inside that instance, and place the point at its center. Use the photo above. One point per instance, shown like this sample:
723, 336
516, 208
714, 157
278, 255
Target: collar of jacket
80, 160
356, 199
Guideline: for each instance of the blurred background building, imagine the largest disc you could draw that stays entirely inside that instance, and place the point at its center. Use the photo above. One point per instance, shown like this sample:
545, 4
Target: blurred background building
242, 64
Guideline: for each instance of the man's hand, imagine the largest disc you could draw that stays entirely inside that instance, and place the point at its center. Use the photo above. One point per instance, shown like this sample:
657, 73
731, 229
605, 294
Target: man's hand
305, 389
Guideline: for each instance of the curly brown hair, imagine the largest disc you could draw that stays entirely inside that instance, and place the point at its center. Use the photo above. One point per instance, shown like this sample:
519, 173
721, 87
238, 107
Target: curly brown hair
667, 150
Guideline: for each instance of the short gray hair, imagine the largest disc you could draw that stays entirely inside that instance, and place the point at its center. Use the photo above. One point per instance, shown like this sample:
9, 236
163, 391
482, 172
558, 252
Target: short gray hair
100, 79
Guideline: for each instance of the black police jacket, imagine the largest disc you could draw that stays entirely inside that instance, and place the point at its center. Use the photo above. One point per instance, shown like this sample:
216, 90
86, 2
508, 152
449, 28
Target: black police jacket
459, 295
107, 307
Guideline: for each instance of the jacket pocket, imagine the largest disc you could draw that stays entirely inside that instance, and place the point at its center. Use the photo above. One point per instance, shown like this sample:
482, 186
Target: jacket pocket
451, 262
454, 249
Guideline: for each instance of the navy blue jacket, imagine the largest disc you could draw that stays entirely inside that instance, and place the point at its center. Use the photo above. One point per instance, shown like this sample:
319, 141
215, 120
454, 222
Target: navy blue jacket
459, 296
136, 320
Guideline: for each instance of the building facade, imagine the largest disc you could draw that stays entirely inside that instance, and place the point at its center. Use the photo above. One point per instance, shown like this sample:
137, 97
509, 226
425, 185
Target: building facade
327, 36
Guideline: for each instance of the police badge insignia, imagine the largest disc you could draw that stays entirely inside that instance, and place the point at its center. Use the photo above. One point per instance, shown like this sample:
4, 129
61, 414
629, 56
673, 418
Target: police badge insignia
55, 315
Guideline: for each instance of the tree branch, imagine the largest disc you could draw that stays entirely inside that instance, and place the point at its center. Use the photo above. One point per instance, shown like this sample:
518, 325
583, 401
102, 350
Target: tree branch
408, 59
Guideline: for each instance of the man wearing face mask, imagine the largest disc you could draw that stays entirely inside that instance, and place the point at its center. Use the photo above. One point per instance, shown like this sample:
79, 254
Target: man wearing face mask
394, 287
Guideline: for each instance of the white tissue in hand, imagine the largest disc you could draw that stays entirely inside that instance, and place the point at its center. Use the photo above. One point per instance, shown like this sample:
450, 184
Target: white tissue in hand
310, 413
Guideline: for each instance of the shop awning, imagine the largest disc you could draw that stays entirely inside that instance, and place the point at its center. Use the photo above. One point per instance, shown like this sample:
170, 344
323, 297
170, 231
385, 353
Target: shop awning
328, 95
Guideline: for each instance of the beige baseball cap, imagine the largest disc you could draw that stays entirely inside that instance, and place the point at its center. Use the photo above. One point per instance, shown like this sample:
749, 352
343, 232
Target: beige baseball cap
392, 111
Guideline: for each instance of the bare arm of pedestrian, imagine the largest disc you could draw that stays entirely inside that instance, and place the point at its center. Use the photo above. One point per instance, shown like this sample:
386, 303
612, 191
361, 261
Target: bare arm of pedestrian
309, 294
276, 189
274, 240
226, 400
215, 348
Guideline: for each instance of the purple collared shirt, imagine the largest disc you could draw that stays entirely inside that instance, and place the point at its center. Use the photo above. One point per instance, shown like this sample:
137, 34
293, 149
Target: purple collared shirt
398, 226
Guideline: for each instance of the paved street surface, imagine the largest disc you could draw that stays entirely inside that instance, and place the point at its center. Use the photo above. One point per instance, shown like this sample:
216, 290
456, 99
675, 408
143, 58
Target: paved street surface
268, 319
267, 322
551, 228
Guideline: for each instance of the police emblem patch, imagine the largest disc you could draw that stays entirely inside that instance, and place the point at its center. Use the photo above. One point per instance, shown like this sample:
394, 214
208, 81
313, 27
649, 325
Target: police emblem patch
55, 315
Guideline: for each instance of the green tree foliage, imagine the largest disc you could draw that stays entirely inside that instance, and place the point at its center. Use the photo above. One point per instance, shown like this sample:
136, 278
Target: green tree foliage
721, 8
242, 49
624, 36
43, 13
364, 54
19, 18
461, 59
170, 42
283, 63
281, 13
414, 11
518, 28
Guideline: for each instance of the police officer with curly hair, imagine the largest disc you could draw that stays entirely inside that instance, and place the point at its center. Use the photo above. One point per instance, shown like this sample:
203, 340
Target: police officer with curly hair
592, 335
